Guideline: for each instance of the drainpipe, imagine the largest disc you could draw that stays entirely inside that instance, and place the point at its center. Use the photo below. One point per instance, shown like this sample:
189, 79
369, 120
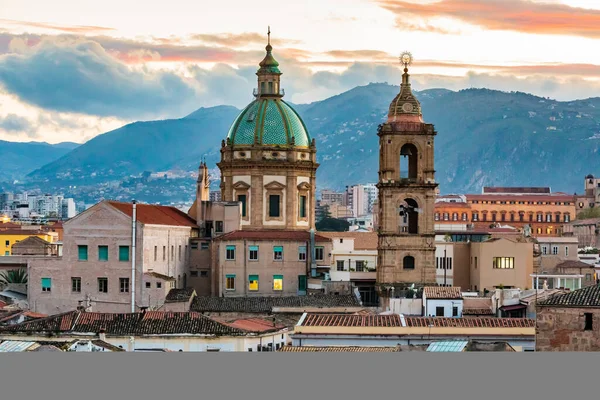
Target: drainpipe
313, 262
133, 240
246, 281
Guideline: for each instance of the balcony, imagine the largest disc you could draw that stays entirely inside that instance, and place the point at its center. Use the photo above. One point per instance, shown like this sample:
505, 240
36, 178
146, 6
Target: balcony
280, 93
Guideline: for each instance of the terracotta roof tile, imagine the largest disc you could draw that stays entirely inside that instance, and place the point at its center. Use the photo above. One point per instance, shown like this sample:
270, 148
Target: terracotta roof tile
521, 197
441, 292
272, 235
574, 264
395, 321
352, 320
586, 297
267, 303
477, 311
362, 240
155, 214
339, 349
257, 325
179, 295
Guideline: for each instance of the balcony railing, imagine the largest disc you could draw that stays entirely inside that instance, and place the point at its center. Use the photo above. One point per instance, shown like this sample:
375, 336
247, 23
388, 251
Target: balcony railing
256, 92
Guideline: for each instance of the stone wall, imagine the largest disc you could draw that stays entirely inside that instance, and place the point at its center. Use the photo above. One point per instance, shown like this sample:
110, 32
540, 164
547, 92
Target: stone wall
562, 329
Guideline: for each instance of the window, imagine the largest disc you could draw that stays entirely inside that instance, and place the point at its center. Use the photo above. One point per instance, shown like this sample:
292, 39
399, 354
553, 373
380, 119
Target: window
124, 253
567, 217
454, 216
439, 311
360, 265
124, 285
253, 253
159, 285
340, 265
544, 250
475, 216
302, 206
46, 284
566, 251
341, 240
319, 253
475, 265
172, 253
464, 216
230, 253
302, 253
504, 263
193, 274
164, 253
204, 246
76, 285
103, 285
555, 250
437, 216
455, 311
148, 285
102, 253
155, 253
278, 253
408, 262
274, 205
7, 243
539, 217
503, 217
548, 217
589, 321
548, 231
278, 283
179, 253
242, 199
446, 216
82, 251
219, 226
253, 283
203, 274
194, 245
493, 216
588, 277
230, 282
7, 253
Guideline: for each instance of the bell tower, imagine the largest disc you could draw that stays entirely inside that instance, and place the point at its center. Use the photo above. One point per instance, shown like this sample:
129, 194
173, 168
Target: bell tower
407, 190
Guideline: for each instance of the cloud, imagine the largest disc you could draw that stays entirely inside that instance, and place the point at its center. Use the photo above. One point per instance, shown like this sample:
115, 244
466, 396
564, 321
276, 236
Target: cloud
82, 77
240, 39
13, 123
81, 29
514, 15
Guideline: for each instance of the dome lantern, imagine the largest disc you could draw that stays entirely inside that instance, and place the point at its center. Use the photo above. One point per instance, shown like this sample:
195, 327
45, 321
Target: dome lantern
268, 74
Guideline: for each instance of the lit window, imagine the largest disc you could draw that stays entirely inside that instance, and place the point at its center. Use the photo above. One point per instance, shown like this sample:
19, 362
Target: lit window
82, 251
230, 282
504, 263
230, 253
278, 282
278, 253
319, 253
302, 253
124, 253
253, 253
253, 283
46, 284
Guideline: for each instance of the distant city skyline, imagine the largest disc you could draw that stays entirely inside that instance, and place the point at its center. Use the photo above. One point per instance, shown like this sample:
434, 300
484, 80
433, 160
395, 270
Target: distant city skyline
70, 70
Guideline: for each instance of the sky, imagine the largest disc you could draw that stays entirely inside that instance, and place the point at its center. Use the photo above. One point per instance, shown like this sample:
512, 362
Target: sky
73, 69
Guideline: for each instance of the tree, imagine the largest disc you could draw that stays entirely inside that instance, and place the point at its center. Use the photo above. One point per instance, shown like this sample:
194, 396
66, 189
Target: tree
13, 276
333, 225
589, 213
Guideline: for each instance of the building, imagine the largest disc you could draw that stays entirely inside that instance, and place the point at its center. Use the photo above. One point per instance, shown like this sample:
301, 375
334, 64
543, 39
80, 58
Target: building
556, 250
442, 301
95, 269
49, 345
268, 160
354, 259
570, 321
8, 238
544, 212
361, 198
406, 195
215, 195
36, 246
587, 232
392, 330
174, 331
330, 197
591, 196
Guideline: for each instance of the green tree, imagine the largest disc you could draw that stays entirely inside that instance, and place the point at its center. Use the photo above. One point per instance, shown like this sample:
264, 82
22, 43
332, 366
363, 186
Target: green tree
333, 225
589, 213
13, 276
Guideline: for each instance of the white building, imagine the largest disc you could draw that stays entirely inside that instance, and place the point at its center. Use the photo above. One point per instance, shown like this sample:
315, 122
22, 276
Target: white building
361, 198
442, 302
68, 209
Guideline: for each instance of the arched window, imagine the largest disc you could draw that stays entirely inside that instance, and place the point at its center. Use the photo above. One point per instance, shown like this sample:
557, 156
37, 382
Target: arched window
475, 216
437, 216
409, 216
464, 216
455, 216
408, 262
494, 216
567, 217
557, 217
446, 216
409, 162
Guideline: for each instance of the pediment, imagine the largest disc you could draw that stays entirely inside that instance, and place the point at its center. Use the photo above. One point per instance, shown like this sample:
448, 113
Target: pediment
240, 185
274, 186
304, 186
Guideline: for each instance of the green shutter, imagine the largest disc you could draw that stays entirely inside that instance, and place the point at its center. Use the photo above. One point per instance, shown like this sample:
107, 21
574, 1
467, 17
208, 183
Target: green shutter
230, 276
83, 252
102, 253
277, 276
302, 283
230, 247
278, 248
252, 278
123, 253
46, 283
253, 248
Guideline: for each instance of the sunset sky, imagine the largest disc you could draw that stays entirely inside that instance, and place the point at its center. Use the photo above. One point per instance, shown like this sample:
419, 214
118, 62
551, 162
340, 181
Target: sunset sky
71, 69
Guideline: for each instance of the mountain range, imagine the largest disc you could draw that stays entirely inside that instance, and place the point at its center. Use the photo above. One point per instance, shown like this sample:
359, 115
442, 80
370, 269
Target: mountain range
484, 138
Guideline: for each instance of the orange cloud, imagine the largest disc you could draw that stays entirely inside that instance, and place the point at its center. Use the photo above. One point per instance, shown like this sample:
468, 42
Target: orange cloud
515, 15
81, 29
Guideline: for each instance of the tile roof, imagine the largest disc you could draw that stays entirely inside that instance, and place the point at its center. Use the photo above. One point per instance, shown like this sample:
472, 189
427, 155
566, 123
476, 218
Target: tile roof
587, 221
586, 297
574, 264
303, 236
396, 321
22, 232
517, 189
13, 346
340, 349
362, 240
265, 304
477, 311
179, 295
155, 215
256, 325
148, 323
442, 292
159, 276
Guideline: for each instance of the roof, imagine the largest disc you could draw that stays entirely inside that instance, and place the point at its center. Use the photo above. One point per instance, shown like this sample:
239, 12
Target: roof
562, 239
522, 197
159, 276
13, 346
22, 232
516, 190
269, 121
477, 311
280, 235
155, 215
441, 292
144, 323
586, 297
257, 325
362, 240
574, 264
395, 320
449, 346
587, 221
340, 349
180, 295
265, 304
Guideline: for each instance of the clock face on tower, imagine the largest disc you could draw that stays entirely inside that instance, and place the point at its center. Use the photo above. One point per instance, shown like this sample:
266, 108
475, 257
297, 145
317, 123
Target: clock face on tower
407, 107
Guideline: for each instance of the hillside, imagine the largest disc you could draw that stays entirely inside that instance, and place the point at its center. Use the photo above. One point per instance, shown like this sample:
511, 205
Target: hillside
485, 137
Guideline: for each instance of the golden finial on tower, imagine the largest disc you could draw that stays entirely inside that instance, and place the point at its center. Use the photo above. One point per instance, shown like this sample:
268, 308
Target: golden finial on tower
269, 35
406, 59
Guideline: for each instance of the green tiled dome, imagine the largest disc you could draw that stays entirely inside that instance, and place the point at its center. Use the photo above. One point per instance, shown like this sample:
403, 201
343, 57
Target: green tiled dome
269, 121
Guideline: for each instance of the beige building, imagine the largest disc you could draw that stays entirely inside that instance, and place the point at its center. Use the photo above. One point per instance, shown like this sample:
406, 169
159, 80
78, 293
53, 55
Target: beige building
587, 232
407, 191
591, 197
95, 269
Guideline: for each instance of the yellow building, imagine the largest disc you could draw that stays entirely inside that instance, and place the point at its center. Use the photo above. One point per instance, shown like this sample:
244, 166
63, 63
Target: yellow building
9, 237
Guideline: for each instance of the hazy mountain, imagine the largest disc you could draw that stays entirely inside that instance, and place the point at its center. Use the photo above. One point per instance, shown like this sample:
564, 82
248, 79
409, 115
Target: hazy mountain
485, 137
17, 159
